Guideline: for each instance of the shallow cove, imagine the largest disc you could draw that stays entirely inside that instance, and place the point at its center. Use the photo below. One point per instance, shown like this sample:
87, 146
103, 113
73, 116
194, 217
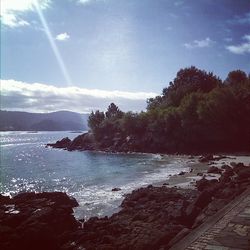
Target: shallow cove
27, 165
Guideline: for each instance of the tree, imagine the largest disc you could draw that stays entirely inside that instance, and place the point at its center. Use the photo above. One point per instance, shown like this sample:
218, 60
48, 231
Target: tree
187, 80
236, 77
113, 111
95, 120
190, 80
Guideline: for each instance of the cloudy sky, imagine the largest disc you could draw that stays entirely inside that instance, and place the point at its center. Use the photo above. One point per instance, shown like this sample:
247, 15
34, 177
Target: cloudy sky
81, 55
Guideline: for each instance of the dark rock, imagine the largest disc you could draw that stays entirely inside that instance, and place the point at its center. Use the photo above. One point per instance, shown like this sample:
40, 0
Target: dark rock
64, 143
203, 199
116, 189
203, 184
206, 158
243, 173
4, 199
182, 173
226, 167
85, 142
36, 221
214, 170
192, 211
238, 167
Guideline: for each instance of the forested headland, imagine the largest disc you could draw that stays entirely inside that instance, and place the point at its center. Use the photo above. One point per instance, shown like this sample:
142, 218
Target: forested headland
196, 113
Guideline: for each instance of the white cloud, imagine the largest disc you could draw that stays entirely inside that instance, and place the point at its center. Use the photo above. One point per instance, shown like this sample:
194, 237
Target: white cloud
243, 19
83, 1
199, 43
247, 37
62, 37
37, 97
241, 48
12, 11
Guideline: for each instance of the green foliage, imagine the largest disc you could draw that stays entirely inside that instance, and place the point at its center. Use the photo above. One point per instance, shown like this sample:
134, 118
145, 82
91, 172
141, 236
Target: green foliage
195, 113
113, 112
187, 81
236, 77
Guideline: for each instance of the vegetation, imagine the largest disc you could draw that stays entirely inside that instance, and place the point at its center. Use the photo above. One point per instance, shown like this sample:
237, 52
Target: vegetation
197, 112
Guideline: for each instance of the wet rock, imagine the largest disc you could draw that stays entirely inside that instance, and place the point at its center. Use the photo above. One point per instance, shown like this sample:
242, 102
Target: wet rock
36, 221
206, 158
214, 170
116, 189
182, 173
226, 167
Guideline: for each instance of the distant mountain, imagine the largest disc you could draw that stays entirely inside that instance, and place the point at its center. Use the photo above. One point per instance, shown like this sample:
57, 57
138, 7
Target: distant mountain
55, 121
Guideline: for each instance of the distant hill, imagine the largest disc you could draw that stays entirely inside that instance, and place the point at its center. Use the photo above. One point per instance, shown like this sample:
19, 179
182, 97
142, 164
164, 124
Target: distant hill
55, 121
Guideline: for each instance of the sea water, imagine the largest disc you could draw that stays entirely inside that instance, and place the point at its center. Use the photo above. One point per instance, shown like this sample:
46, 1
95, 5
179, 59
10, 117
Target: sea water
28, 165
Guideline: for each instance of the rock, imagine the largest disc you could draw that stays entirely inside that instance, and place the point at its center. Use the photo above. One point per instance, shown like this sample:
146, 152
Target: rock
227, 175
243, 173
4, 199
214, 170
226, 167
182, 173
83, 142
238, 167
36, 221
192, 212
116, 189
203, 199
64, 143
206, 158
203, 184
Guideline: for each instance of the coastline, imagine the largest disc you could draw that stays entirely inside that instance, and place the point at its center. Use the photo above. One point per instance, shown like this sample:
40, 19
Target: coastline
198, 170
151, 217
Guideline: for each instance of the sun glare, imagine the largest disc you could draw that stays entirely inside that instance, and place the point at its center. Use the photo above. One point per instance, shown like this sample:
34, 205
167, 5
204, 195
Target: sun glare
53, 44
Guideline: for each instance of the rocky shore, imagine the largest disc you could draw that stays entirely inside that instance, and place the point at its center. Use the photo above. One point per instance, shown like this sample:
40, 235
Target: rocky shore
150, 218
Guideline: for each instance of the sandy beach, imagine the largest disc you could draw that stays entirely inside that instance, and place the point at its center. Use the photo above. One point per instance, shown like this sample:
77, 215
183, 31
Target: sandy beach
198, 170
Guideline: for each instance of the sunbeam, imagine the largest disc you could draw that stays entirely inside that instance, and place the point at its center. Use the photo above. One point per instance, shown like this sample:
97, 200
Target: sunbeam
53, 44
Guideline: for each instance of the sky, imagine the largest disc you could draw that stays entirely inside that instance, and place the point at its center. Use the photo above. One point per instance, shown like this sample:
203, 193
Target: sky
81, 55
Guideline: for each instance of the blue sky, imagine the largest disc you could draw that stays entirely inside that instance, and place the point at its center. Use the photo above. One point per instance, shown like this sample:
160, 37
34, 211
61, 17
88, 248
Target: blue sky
98, 51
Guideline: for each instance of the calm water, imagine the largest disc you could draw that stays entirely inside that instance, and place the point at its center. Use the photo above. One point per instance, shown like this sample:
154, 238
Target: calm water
27, 165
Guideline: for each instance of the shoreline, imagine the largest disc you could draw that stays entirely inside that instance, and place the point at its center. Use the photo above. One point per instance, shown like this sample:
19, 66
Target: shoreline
152, 217
198, 170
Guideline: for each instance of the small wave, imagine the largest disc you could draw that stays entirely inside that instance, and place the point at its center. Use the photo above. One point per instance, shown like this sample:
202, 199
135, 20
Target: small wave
17, 144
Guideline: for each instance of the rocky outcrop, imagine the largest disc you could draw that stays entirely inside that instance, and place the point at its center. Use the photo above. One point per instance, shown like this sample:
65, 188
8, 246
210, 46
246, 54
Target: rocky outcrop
81, 142
36, 221
64, 143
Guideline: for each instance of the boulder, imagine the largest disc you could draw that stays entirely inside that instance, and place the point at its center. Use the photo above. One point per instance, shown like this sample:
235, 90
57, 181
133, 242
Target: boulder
206, 158
203, 184
214, 170
36, 220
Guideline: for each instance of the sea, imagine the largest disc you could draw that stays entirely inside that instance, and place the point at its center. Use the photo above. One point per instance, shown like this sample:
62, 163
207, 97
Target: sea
28, 165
